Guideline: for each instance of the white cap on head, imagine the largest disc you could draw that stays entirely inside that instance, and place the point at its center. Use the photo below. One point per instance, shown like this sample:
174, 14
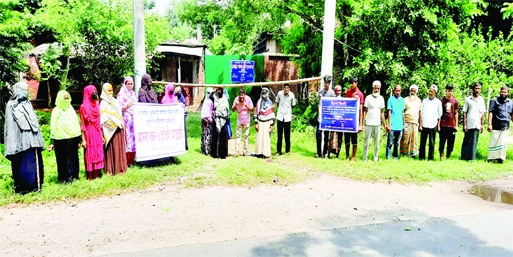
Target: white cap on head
414, 87
434, 87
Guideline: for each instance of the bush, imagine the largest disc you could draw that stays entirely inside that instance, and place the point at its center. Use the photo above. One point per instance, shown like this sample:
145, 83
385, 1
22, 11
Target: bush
305, 113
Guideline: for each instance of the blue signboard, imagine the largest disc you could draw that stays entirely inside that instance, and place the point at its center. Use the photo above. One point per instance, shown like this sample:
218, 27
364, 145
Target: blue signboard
243, 71
340, 114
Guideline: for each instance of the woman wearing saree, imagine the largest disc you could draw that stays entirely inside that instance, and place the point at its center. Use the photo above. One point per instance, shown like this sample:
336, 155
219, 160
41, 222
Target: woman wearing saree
92, 139
113, 132
127, 98
65, 134
23, 141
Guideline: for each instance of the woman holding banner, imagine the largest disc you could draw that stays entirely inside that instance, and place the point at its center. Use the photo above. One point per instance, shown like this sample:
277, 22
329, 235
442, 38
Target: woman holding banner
174, 95
113, 132
146, 92
127, 98
92, 139
264, 123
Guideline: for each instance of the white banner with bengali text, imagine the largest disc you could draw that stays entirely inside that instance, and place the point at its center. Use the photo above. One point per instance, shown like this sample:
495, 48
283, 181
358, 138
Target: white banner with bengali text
159, 130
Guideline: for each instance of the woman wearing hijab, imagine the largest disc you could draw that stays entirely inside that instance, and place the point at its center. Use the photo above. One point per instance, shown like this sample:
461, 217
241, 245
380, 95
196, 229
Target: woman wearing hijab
219, 145
264, 123
23, 141
207, 119
146, 92
92, 139
181, 99
126, 99
65, 134
169, 94
113, 132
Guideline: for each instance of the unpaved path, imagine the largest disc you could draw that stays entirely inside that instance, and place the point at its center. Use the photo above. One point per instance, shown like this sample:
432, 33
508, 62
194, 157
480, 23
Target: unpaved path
171, 215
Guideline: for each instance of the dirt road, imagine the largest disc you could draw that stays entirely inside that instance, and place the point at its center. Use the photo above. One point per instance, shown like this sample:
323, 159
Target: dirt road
171, 215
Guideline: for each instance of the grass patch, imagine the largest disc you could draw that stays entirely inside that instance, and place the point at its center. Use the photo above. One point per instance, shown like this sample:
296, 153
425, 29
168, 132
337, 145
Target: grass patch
196, 170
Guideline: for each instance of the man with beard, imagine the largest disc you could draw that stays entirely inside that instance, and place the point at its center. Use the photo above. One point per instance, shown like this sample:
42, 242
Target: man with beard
373, 114
473, 123
499, 115
431, 113
412, 118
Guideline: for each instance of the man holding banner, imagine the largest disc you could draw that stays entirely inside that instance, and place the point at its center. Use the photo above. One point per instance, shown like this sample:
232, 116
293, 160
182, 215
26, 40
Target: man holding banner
323, 136
352, 137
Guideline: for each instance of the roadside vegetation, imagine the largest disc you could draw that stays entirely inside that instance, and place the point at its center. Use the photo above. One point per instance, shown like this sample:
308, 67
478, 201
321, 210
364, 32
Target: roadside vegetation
197, 170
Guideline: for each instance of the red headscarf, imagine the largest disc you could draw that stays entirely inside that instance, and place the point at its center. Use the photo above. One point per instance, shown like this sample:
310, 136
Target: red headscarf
90, 109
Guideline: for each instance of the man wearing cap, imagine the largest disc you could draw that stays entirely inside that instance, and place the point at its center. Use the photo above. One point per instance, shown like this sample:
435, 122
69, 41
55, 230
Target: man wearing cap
395, 106
499, 116
374, 116
243, 106
323, 136
352, 138
412, 120
431, 113
448, 125
284, 101
473, 123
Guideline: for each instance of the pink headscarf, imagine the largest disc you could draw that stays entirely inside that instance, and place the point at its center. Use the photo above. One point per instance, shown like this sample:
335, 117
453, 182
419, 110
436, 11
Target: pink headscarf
169, 97
126, 95
90, 107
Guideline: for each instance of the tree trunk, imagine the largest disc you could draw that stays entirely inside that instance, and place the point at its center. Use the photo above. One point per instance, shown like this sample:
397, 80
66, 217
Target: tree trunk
49, 94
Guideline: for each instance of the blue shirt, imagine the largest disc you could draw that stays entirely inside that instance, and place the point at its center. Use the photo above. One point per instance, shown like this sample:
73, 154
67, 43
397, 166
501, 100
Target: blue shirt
501, 113
396, 105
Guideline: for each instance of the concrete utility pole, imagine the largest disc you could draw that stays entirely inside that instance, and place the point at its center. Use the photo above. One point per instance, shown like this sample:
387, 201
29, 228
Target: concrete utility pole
139, 54
328, 39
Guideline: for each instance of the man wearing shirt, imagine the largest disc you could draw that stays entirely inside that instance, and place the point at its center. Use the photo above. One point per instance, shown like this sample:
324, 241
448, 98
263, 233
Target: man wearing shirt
473, 123
431, 113
449, 122
323, 136
284, 101
412, 121
352, 137
243, 105
373, 114
395, 106
499, 116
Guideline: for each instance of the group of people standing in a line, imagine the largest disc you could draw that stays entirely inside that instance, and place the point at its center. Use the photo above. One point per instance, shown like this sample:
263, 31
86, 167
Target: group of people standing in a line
215, 113
105, 130
408, 116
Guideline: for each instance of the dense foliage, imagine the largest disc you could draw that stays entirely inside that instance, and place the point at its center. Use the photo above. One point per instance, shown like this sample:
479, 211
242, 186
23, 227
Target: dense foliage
395, 41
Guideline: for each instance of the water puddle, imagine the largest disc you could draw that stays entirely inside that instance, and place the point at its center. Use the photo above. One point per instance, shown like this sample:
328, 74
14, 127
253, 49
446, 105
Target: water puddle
492, 194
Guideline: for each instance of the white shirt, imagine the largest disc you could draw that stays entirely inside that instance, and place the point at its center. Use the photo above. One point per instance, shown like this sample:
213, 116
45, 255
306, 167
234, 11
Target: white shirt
431, 112
374, 106
474, 108
285, 103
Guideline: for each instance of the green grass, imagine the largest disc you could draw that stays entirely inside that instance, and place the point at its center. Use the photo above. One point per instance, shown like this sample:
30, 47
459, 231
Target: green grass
196, 170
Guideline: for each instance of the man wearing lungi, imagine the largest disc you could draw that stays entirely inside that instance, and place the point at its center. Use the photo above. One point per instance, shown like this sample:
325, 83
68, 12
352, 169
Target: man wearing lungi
499, 115
412, 118
473, 123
